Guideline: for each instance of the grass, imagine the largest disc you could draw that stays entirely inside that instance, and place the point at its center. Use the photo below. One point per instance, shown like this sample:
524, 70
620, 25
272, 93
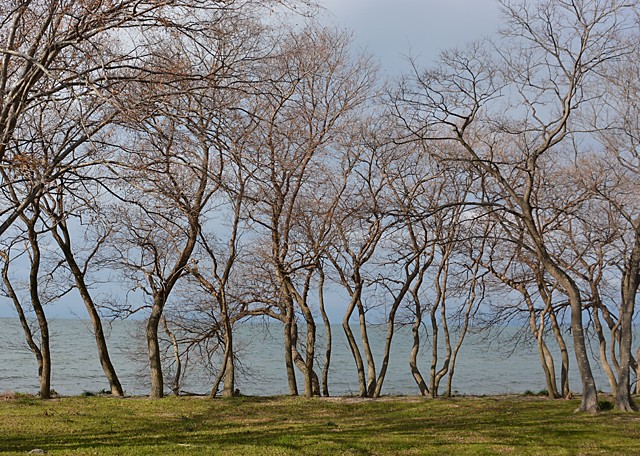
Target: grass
281, 426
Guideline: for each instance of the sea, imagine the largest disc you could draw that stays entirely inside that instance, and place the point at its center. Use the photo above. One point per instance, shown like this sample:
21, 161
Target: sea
502, 361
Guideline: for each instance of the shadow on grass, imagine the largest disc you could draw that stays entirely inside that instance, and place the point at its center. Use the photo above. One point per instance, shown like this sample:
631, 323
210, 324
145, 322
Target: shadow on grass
306, 427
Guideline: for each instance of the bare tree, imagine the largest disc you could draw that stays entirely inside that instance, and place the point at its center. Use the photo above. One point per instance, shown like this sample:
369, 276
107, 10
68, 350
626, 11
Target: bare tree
58, 212
315, 91
362, 220
612, 178
41, 290
506, 121
59, 53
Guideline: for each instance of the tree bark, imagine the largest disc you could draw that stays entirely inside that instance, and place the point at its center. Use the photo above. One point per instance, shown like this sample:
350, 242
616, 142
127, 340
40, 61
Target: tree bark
355, 351
175, 386
631, 282
327, 326
155, 364
564, 353
44, 362
288, 350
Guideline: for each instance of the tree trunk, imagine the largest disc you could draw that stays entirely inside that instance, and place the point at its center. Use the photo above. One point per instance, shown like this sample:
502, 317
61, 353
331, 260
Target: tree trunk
550, 370
564, 353
538, 329
229, 389
371, 365
602, 346
355, 351
26, 328
230, 369
44, 361
155, 364
546, 360
465, 327
94, 316
638, 371
310, 377
434, 374
229, 358
631, 282
391, 326
589, 401
387, 353
312, 383
327, 326
288, 351
175, 387
415, 348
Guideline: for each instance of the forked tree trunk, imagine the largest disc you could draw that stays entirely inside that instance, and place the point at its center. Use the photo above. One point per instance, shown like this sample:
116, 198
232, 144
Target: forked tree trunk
311, 383
465, 327
549, 369
227, 371
434, 374
415, 330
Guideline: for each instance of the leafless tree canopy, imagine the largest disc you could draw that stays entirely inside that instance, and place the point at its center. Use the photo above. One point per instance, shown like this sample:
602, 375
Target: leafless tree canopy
217, 163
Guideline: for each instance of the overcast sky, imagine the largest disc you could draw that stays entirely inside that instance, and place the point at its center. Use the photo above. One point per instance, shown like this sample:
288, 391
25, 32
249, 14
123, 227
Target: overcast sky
393, 29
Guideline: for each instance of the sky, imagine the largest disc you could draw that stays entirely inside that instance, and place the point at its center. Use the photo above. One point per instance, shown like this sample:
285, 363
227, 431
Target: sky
390, 30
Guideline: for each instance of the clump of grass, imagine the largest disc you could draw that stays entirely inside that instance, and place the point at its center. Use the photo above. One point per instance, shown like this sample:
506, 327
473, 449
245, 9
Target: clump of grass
542, 392
102, 392
605, 406
25, 398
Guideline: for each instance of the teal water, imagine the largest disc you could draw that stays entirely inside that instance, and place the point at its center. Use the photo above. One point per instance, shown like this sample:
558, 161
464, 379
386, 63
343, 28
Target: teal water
485, 365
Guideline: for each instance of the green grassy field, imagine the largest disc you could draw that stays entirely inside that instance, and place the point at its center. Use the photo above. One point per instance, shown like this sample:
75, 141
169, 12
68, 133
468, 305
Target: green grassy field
270, 426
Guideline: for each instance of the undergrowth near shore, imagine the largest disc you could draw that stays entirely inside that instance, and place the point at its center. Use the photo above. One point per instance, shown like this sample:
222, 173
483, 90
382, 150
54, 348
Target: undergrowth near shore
293, 426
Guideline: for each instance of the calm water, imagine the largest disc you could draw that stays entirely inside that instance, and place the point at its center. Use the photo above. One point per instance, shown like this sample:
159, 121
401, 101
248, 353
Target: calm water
484, 367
